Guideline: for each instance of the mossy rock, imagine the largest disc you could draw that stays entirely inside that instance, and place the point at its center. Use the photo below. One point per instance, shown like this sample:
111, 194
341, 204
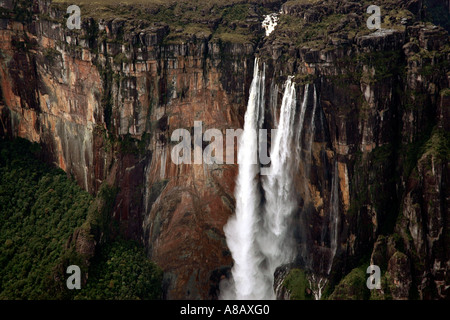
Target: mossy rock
297, 284
121, 270
352, 286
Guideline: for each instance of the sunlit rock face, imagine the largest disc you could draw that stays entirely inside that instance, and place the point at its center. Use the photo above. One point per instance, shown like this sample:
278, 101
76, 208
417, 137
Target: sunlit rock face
109, 119
370, 179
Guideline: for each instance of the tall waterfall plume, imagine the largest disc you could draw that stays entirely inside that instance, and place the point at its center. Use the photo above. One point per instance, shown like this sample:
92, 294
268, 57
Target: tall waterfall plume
259, 235
334, 214
276, 241
249, 282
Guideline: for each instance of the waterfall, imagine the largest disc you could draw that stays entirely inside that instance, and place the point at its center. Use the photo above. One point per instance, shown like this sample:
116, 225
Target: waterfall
301, 121
278, 185
274, 101
317, 285
298, 153
318, 282
249, 281
259, 235
312, 125
308, 156
275, 240
334, 214
270, 22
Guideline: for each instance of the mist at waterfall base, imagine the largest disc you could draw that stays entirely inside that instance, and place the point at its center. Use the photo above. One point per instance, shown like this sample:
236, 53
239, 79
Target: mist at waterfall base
259, 235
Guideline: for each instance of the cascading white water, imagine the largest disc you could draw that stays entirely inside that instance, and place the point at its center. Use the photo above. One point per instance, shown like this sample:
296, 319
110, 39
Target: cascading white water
270, 22
307, 159
312, 124
249, 281
301, 121
274, 101
259, 236
275, 241
317, 285
334, 214
298, 153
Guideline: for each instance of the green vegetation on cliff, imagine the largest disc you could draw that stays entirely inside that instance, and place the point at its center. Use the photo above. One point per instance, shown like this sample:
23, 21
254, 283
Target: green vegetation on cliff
230, 21
121, 271
352, 286
439, 145
39, 210
297, 284
44, 217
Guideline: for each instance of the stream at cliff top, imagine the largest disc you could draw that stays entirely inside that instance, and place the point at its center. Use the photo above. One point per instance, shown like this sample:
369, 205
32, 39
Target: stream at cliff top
259, 235
270, 22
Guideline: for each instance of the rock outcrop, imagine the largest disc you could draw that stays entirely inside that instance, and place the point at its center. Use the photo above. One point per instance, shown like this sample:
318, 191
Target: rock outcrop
104, 102
381, 119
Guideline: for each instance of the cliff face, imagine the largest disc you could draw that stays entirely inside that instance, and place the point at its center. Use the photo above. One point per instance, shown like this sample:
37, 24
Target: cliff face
105, 108
380, 132
105, 100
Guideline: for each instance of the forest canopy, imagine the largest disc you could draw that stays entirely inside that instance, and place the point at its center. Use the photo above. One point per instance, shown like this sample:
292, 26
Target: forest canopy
40, 210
